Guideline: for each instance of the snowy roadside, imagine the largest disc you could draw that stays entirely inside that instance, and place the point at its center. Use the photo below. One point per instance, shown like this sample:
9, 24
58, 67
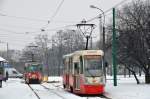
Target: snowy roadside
126, 89
15, 89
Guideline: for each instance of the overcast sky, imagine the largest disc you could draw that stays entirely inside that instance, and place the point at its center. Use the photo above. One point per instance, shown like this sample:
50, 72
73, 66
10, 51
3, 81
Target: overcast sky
13, 30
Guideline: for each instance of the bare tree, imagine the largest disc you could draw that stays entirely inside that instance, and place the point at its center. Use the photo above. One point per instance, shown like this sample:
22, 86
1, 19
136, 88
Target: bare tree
133, 27
64, 42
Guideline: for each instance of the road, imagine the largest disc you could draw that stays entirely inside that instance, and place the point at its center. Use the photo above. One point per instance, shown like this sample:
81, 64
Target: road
15, 88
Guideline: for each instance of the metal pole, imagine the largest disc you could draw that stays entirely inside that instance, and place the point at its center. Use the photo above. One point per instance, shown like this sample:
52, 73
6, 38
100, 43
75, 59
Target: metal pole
104, 52
91, 42
114, 50
87, 41
100, 29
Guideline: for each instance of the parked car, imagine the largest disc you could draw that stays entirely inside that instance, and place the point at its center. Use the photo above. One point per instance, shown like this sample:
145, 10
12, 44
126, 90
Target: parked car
12, 73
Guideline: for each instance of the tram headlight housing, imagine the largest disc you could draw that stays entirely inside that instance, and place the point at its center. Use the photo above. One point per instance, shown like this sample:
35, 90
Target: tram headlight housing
101, 80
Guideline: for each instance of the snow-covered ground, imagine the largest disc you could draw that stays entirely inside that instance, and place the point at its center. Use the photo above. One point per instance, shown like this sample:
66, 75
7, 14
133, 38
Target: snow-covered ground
15, 89
126, 89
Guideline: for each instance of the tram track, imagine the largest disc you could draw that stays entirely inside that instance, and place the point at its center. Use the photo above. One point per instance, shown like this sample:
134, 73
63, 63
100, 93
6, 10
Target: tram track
47, 89
97, 97
53, 91
36, 94
102, 96
105, 97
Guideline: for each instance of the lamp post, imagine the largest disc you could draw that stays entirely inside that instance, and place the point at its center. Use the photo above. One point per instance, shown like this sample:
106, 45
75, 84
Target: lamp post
86, 30
100, 16
103, 30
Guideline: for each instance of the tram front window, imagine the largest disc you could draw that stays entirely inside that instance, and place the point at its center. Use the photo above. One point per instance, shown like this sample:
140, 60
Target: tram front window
93, 66
34, 68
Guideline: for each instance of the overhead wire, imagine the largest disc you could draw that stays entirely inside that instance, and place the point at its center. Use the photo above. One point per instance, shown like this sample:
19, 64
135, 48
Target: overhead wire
24, 18
89, 20
55, 13
57, 28
16, 26
6, 30
53, 29
34, 19
110, 9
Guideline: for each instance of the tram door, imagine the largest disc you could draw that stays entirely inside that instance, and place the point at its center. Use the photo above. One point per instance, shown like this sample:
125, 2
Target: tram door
77, 76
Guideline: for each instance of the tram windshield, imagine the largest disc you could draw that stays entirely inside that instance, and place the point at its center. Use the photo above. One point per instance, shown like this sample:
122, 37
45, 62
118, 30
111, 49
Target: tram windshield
93, 66
32, 68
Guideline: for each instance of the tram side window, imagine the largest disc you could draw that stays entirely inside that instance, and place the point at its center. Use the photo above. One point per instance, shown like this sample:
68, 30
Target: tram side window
76, 68
70, 65
81, 64
64, 66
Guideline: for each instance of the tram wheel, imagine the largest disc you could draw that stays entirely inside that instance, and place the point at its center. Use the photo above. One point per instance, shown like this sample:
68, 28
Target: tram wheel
64, 86
71, 89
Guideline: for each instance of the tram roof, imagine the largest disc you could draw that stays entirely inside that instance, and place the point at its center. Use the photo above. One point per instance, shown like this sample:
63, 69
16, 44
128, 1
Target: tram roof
85, 52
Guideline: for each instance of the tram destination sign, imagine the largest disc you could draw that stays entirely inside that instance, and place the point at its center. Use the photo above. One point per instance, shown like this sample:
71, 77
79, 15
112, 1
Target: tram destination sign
92, 56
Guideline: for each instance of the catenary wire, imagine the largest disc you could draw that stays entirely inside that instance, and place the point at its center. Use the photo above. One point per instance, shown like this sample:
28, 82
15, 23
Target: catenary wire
55, 13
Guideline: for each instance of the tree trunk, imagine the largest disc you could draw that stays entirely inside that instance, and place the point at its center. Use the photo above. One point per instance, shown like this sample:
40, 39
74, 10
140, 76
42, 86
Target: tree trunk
129, 73
140, 71
125, 72
137, 80
147, 78
133, 72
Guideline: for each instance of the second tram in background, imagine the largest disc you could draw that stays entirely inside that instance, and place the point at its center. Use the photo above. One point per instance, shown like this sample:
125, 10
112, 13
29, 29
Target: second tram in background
33, 72
83, 72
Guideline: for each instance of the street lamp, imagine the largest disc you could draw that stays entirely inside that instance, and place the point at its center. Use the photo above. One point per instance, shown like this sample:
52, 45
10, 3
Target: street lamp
86, 30
100, 16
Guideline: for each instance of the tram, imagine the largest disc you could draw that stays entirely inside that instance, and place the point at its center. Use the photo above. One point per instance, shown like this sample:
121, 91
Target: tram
83, 72
33, 72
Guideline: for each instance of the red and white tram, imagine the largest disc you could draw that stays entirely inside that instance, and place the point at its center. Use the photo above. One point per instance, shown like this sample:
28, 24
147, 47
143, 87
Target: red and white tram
33, 72
83, 72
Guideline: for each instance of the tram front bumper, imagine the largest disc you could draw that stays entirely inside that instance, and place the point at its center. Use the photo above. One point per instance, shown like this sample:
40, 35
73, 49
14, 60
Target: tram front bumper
92, 89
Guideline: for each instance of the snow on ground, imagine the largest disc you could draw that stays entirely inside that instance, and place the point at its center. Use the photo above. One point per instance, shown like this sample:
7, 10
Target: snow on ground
127, 89
14, 89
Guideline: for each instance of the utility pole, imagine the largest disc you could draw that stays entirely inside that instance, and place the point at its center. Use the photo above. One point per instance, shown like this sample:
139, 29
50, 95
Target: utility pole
104, 61
114, 50
100, 31
32, 57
